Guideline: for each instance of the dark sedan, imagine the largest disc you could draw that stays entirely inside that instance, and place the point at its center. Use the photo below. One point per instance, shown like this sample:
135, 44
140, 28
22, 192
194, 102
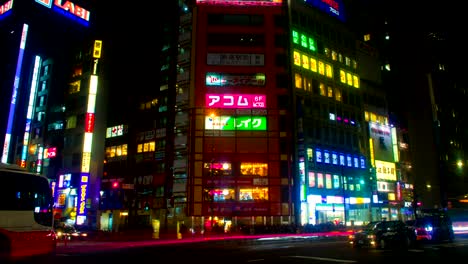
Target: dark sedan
383, 234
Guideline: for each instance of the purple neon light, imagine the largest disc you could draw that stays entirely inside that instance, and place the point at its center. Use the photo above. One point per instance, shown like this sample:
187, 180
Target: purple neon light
11, 114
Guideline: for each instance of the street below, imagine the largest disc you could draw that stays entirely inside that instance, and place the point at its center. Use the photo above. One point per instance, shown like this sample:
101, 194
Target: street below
259, 250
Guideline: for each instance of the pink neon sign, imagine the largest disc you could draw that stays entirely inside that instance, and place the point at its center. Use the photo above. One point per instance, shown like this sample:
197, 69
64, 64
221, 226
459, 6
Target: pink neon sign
235, 101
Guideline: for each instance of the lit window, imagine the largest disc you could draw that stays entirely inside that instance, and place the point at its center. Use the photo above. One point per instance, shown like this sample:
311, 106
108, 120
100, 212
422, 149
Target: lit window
355, 81
312, 44
298, 80
367, 37
328, 181
295, 35
338, 95
305, 62
320, 180
124, 150
259, 169
297, 58
326, 156
342, 76
347, 61
152, 146
253, 194
321, 68
330, 92
334, 55
311, 179
349, 78
329, 70
336, 181
313, 64
304, 41
322, 89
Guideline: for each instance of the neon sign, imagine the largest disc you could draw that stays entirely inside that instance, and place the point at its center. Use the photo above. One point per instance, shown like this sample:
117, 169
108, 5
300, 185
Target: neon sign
332, 7
83, 194
6, 7
50, 153
236, 123
67, 8
217, 79
89, 122
235, 101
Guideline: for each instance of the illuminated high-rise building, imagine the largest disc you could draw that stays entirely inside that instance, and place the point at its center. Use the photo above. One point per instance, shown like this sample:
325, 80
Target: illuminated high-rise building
255, 118
50, 97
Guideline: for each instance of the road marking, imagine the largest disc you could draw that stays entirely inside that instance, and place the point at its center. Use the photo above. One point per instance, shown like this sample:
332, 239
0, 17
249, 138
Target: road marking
325, 259
255, 260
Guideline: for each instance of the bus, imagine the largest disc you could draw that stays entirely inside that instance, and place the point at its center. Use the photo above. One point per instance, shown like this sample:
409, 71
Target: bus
26, 219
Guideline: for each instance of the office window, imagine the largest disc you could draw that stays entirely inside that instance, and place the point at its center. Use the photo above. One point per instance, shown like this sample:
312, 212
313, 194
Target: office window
320, 180
305, 62
318, 155
311, 179
326, 156
336, 181
322, 89
328, 70
328, 181
257, 169
253, 194
338, 94
330, 91
313, 64
298, 80
321, 68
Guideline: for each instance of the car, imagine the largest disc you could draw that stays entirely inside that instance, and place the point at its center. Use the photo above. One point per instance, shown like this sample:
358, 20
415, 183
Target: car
69, 232
382, 235
432, 228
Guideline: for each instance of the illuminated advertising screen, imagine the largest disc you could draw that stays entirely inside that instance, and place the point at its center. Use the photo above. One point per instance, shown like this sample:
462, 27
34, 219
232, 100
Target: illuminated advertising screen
382, 141
218, 79
332, 7
235, 101
236, 123
385, 170
115, 131
235, 59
